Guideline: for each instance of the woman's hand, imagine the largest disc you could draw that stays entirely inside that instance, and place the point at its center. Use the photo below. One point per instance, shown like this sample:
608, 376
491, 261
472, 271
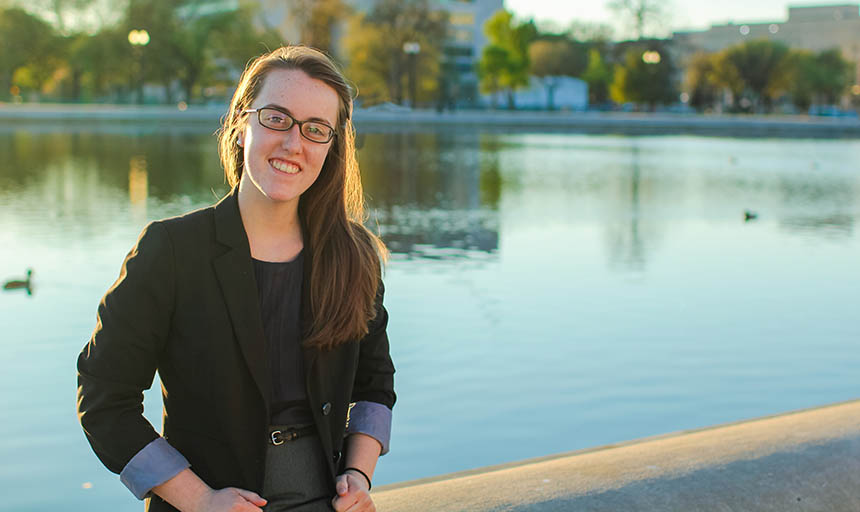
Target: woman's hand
352, 494
187, 492
230, 499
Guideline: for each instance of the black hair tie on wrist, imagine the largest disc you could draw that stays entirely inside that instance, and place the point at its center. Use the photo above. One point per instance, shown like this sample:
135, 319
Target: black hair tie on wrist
362, 474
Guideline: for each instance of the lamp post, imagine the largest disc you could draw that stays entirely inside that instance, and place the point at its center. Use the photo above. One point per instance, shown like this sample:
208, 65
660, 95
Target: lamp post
411, 49
138, 39
651, 58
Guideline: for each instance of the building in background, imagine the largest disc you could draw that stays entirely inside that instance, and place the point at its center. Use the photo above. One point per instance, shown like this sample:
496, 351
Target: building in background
463, 48
811, 28
569, 93
466, 42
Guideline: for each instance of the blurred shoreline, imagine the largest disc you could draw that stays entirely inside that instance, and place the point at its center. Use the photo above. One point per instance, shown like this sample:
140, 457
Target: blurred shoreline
632, 123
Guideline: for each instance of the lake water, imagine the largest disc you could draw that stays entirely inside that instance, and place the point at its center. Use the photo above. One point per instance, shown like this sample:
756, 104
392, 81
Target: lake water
547, 292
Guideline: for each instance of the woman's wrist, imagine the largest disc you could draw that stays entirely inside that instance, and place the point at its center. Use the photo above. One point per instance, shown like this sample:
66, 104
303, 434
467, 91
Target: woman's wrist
185, 491
360, 472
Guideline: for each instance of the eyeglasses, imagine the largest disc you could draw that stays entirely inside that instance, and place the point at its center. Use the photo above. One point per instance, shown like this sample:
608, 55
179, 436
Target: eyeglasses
274, 119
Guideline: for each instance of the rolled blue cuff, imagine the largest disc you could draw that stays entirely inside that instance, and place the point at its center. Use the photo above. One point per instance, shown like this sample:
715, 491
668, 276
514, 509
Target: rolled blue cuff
373, 419
153, 465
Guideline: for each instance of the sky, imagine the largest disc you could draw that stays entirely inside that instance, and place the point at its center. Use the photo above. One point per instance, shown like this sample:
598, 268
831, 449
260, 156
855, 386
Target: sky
685, 14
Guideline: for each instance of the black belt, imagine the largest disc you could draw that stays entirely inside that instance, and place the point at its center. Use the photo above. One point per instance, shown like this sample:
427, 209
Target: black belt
278, 437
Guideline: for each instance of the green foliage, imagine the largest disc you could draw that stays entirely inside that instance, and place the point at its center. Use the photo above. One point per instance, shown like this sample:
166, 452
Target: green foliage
756, 70
817, 78
494, 63
504, 64
375, 47
761, 71
26, 41
702, 81
598, 75
640, 82
834, 75
61, 12
234, 42
804, 71
559, 57
316, 19
92, 63
191, 45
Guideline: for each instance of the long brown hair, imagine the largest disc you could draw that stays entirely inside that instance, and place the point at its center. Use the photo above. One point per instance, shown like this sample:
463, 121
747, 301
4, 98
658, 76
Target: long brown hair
345, 257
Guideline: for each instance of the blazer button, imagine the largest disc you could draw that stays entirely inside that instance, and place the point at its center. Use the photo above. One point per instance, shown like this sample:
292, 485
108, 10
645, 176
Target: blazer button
335, 456
326, 408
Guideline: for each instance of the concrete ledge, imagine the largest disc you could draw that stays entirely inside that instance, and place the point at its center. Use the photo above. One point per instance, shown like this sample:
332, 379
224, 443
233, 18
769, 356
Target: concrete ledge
617, 122
800, 461
207, 117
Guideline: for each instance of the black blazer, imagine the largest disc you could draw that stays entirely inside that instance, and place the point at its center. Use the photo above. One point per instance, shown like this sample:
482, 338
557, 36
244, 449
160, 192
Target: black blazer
186, 304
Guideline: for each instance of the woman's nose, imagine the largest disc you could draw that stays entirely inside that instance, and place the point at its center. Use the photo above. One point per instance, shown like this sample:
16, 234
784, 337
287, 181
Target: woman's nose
292, 139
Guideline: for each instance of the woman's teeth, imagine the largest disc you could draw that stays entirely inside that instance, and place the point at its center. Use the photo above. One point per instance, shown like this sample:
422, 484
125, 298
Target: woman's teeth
284, 166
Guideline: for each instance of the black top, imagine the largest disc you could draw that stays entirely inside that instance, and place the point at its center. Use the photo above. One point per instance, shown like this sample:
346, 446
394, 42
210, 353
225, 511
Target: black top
279, 285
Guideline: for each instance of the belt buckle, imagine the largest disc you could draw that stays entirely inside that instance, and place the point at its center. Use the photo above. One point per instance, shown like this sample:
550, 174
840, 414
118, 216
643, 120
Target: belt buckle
276, 440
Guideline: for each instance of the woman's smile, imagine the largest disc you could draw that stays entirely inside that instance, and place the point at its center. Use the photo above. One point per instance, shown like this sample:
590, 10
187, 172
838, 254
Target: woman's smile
285, 166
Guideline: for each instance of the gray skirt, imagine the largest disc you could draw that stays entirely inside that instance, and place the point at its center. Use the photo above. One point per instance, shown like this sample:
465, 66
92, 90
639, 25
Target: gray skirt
297, 477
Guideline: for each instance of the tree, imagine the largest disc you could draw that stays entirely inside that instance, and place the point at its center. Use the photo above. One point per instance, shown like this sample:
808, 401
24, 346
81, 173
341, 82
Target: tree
833, 76
817, 78
644, 77
504, 64
551, 59
238, 40
803, 77
377, 58
641, 15
317, 19
701, 82
591, 32
96, 65
370, 61
193, 44
25, 41
161, 59
598, 75
234, 39
756, 70
60, 12
494, 63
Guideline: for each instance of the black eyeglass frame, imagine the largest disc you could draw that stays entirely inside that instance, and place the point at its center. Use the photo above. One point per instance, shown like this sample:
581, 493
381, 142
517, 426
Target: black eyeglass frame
295, 122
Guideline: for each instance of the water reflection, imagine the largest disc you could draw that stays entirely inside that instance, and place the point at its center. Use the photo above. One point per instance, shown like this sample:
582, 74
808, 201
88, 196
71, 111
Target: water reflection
183, 164
454, 194
627, 248
434, 195
832, 226
138, 185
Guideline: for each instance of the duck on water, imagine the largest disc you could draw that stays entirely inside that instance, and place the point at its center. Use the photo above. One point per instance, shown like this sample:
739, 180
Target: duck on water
20, 284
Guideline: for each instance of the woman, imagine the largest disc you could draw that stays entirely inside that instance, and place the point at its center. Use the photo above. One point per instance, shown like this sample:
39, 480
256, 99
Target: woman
262, 314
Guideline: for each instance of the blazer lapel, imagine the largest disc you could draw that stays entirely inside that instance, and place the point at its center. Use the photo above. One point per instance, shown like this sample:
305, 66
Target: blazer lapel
310, 354
235, 273
314, 374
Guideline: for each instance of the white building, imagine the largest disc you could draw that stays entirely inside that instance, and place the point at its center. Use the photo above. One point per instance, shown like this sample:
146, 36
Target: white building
568, 93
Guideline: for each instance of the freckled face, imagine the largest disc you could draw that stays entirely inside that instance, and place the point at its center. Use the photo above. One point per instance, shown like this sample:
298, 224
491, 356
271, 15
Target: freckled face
280, 166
